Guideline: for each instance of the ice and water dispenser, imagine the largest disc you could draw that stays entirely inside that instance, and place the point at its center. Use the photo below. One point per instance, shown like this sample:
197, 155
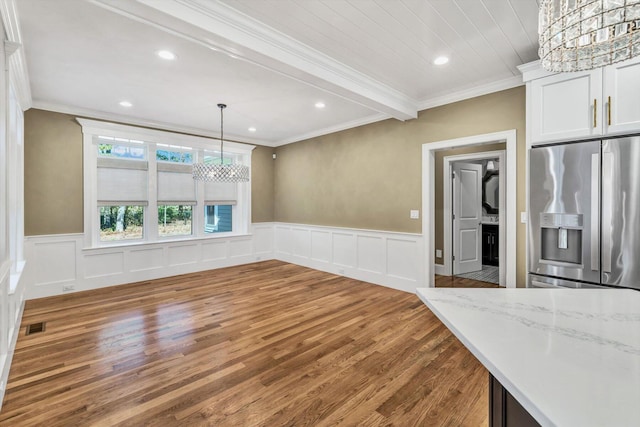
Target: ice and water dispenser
561, 238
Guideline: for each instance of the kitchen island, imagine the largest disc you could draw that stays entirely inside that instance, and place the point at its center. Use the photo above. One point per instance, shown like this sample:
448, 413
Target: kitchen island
569, 357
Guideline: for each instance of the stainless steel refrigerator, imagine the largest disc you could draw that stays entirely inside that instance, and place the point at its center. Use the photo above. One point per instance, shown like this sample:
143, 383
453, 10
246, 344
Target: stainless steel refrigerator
584, 214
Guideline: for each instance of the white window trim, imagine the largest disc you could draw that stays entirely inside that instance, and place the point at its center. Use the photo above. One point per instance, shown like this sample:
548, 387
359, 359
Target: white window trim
90, 128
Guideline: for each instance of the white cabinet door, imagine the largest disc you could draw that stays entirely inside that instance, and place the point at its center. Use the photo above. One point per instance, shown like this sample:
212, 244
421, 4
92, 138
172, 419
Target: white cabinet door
622, 97
566, 106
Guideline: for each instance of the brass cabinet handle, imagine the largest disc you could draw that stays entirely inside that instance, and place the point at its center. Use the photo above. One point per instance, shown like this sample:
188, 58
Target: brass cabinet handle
595, 118
609, 111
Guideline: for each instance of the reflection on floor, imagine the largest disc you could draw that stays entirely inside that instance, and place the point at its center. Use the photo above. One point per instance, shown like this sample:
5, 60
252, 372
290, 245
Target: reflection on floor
461, 282
489, 273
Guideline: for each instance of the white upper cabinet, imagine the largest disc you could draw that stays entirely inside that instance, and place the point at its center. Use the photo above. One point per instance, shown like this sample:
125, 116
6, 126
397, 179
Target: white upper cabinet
566, 106
622, 97
585, 104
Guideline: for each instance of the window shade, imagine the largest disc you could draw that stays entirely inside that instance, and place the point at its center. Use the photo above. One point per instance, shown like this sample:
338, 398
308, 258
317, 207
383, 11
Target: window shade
175, 184
122, 181
216, 193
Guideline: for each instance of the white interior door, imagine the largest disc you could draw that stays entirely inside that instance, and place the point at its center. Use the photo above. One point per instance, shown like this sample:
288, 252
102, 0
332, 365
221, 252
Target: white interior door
467, 217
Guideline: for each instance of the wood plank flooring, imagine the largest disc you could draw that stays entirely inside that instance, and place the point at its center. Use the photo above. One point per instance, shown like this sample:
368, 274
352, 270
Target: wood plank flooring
264, 344
461, 282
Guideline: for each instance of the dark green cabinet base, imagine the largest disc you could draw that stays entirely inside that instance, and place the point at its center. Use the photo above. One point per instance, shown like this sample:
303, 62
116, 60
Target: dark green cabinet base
504, 410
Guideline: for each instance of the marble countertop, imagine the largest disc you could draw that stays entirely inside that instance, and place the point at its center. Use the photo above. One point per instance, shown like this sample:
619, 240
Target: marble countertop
570, 357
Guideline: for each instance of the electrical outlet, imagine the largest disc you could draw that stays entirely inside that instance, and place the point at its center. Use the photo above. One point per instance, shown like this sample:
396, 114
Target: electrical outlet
68, 288
523, 217
341, 271
438, 253
414, 214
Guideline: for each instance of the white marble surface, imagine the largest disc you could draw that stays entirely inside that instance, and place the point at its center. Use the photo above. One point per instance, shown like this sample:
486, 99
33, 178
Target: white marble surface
571, 357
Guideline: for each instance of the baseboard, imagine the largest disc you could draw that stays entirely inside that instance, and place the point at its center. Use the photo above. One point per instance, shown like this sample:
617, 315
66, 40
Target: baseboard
440, 269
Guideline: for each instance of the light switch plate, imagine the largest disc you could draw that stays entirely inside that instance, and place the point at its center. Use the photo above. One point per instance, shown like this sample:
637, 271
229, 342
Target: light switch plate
414, 214
523, 217
438, 253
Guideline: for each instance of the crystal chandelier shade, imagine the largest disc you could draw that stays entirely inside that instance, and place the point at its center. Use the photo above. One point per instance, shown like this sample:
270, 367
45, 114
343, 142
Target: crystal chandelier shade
579, 35
225, 173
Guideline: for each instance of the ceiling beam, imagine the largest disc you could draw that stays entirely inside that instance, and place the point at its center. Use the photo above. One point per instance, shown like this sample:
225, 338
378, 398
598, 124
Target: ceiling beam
220, 27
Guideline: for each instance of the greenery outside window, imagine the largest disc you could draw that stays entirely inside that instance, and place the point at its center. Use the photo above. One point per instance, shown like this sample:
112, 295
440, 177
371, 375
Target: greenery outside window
174, 220
122, 222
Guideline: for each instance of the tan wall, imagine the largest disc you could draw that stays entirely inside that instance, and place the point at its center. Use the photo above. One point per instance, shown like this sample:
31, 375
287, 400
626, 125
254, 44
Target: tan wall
53, 175
262, 172
370, 177
439, 187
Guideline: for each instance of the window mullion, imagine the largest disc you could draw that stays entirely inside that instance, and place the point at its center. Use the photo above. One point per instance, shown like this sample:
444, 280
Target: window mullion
198, 211
151, 213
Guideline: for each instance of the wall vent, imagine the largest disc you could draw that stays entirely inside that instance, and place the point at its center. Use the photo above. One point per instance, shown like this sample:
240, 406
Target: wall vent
35, 328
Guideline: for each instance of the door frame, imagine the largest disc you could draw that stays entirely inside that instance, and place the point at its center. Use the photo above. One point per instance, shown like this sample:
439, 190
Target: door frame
447, 191
428, 198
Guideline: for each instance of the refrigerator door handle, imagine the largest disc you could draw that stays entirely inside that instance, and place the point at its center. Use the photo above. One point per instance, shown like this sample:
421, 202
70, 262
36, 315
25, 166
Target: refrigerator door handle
595, 211
607, 207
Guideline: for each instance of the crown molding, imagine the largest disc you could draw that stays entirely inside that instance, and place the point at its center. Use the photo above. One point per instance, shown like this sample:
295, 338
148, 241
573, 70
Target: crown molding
533, 70
15, 53
331, 129
473, 92
86, 113
217, 25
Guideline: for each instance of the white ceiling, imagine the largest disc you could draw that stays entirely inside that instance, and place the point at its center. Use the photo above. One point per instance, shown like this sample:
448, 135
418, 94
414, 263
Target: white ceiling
270, 60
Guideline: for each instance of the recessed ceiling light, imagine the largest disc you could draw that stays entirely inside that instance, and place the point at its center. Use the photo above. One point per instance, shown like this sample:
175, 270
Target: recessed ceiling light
441, 60
126, 104
165, 54
252, 129
320, 104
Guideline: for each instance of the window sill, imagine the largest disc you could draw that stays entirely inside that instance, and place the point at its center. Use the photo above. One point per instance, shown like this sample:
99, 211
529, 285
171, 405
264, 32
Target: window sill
167, 241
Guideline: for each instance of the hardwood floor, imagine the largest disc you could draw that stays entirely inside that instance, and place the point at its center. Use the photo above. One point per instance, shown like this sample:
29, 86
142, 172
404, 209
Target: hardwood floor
264, 344
461, 282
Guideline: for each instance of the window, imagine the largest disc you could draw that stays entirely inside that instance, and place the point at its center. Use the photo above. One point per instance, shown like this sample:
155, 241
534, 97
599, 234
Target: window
218, 218
121, 223
139, 188
174, 220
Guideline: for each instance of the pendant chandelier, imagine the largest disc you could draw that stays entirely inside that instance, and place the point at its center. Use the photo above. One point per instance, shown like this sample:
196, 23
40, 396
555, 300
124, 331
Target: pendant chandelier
230, 173
586, 34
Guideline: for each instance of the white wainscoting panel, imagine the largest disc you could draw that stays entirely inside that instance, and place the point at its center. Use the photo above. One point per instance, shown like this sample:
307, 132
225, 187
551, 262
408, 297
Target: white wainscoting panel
59, 261
403, 261
321, 246
344, 249
371, 254
300, 242
103, 264
183, 254
283, 240
380, 257
263, 237
12, 297
56, 262
240, 248
214, 251
146, 258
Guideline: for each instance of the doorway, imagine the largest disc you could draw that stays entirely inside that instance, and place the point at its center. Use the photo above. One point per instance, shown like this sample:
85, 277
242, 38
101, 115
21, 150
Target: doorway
507, 215
473, 198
